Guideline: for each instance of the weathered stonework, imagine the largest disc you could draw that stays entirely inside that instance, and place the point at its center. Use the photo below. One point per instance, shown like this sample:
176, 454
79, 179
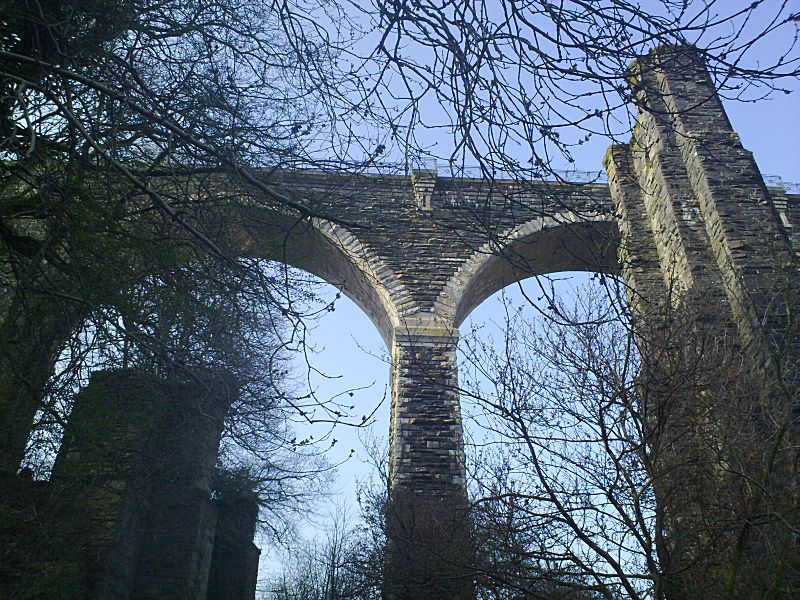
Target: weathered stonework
234, 562
128, 513
686, 219
709, 256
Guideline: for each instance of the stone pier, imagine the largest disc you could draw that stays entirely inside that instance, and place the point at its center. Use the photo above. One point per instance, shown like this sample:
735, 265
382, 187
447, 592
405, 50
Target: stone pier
429, 551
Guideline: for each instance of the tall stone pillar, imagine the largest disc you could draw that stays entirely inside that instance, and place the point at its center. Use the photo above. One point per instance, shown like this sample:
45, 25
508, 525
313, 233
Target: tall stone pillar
741, 246
429, 550
234, 564
175, 557
714, 291
132, 485
101, 482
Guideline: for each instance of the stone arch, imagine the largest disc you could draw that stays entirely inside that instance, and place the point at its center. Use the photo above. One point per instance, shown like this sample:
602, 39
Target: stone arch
320, 247
329, 251
562, 242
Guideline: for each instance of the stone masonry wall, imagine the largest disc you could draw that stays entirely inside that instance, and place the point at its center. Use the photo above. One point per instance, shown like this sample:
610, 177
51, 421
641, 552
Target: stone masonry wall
749, 244
101, 473
427, 524
708, 254
175, 557
134, 480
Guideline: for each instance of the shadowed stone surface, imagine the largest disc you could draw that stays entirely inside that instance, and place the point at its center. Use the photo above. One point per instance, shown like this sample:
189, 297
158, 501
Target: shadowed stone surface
234, 563
709, 255
128, 512
139, 458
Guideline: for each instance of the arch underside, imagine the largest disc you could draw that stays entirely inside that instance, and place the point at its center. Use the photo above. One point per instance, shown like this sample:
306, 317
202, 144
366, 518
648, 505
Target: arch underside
538, 248
327, 251
331, 252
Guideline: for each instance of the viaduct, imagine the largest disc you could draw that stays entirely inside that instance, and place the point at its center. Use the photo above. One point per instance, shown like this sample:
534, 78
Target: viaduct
686, 220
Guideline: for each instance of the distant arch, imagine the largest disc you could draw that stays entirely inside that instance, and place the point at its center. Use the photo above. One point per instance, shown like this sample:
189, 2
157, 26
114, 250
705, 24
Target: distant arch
562, 242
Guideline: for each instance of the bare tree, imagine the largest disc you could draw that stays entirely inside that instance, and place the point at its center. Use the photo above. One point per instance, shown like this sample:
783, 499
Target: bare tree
519, 85
585, 466
325, 569
127, 135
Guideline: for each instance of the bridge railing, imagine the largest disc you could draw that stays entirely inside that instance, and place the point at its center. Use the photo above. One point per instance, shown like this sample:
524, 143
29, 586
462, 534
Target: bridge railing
775, 181
454, 170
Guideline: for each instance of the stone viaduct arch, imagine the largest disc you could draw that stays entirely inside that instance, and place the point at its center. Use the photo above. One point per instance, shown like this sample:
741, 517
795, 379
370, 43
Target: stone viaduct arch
431, 249
686, 219
330, 252
544, 245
